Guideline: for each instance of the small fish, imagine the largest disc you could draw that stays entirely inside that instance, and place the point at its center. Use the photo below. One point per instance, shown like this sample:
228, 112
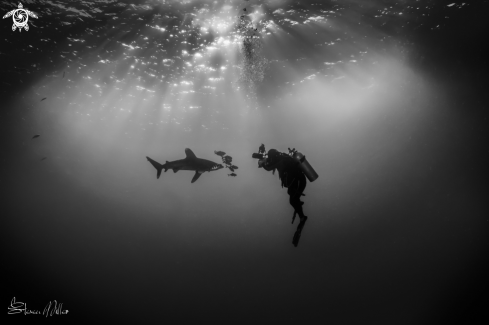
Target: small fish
232, 174
220, 153
231, 169
36, 136
44, 158
43, 99
234, 167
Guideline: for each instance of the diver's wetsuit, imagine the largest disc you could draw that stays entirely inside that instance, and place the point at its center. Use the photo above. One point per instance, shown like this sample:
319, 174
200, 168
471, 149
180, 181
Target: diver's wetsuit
291, 176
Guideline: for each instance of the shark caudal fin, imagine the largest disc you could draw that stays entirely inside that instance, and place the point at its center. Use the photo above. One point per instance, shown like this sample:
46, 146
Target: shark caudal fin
156, 165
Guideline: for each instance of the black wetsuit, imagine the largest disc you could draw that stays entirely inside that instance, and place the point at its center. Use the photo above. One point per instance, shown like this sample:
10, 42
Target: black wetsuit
291, 176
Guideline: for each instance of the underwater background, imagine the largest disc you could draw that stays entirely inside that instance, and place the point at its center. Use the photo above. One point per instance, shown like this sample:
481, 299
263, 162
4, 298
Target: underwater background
387, 100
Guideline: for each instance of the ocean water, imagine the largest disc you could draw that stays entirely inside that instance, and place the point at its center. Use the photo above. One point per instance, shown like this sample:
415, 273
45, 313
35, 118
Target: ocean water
386, 99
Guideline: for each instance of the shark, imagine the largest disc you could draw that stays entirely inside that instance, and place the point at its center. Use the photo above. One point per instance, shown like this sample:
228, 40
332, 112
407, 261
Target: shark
190, 162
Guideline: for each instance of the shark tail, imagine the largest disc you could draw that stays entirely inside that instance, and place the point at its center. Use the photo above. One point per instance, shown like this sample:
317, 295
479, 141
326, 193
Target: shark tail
156, 165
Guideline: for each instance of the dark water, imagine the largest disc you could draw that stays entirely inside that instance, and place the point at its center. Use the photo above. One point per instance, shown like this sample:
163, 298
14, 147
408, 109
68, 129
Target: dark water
387, 99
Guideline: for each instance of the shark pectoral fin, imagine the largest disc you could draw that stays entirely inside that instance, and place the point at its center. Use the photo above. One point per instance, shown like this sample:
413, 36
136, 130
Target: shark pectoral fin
196, 176
175, 170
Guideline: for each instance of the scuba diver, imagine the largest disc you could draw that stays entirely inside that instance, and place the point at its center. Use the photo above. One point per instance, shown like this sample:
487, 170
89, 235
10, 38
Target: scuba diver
293, 168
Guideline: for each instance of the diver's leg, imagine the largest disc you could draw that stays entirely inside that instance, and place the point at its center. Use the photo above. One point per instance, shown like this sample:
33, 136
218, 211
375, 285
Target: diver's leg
295, 200
295, 191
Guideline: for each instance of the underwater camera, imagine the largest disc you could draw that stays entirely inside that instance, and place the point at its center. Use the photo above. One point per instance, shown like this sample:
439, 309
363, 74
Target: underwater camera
261, 153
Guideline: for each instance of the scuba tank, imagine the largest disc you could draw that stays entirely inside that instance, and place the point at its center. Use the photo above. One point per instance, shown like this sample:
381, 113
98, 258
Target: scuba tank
305, 166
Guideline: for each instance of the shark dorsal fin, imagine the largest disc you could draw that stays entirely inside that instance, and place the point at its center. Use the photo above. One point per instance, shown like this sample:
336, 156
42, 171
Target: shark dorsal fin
189, 153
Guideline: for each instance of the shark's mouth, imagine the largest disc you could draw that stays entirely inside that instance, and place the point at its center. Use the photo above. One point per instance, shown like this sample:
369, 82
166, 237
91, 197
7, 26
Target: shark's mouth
216, 167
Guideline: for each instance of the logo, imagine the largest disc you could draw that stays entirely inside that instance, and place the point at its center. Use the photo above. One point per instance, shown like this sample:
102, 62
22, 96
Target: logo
52, 308
20, 17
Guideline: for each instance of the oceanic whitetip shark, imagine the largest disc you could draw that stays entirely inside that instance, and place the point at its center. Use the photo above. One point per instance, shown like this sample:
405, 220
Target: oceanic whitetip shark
191, 162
